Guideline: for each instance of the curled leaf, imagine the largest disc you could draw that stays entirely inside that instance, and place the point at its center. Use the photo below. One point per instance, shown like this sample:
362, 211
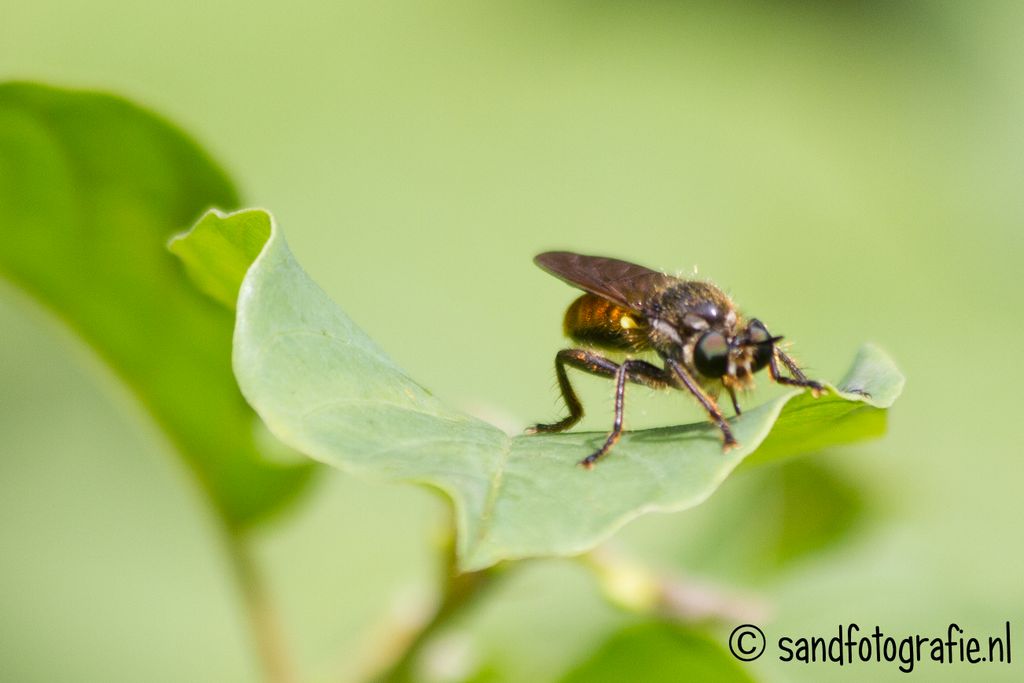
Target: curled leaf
326, 389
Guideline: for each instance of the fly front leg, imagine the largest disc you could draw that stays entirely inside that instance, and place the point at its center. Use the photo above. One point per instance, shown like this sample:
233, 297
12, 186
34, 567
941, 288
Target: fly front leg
709, 403
735, 402
799, 379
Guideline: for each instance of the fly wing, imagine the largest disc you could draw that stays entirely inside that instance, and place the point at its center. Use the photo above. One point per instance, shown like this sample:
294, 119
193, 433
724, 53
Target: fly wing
620, 282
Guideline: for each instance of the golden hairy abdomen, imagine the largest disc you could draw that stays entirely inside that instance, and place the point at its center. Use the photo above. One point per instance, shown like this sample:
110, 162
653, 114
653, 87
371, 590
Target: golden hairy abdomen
598, 322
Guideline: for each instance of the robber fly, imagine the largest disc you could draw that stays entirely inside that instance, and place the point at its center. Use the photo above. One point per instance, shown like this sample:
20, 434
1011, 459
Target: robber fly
691, 325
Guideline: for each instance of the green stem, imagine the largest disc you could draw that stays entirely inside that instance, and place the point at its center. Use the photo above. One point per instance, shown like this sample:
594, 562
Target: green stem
638, 588
266, 631
459, 591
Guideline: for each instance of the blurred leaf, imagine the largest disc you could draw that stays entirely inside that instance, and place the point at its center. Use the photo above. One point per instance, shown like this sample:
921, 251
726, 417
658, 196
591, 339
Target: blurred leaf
323, 387
91, 187
489, 673
819, 508
785, 512
656, 652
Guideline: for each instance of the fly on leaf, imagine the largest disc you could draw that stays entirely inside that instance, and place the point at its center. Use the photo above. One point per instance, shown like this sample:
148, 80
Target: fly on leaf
693, 327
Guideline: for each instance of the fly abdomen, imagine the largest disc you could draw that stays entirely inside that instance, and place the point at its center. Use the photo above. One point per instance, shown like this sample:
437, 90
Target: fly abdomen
598, 322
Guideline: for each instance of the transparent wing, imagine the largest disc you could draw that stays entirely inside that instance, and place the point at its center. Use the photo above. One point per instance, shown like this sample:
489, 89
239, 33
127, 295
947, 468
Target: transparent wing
620, 282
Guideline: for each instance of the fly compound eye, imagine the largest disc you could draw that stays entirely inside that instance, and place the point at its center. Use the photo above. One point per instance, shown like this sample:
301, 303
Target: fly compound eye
757, 333
763, 343
711, 354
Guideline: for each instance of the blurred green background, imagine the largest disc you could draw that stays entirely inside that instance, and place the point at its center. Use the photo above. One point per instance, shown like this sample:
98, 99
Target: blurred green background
849, 171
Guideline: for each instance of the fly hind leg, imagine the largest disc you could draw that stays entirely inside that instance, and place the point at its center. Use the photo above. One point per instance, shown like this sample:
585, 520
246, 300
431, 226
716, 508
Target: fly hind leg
581, 360
640, 372
637, 371
596, 364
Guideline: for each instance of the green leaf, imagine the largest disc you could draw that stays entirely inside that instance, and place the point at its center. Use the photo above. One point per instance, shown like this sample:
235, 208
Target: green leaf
787, 512
323, 387
817, 508
811, 424
656, 652
91, 187
217, 260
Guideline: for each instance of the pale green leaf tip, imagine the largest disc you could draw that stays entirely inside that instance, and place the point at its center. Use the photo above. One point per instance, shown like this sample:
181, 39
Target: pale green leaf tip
219, 249
875, 372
